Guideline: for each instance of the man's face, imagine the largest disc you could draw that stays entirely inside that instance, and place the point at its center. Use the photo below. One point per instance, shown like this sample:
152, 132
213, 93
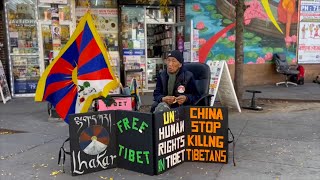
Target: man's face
173, 65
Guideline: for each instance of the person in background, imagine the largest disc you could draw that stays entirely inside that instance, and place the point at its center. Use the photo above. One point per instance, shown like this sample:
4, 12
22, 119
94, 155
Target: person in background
175, 85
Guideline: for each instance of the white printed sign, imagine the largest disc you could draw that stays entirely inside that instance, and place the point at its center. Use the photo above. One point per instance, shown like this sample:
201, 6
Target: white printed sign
309, 32
221, 85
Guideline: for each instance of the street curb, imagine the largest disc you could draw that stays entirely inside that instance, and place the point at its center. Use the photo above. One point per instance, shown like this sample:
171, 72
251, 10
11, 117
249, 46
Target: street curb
291, 100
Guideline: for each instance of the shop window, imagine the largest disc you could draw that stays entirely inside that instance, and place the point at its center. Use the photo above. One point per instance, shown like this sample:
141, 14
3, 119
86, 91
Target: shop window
133, 43
23, 45
154, 15
96, 3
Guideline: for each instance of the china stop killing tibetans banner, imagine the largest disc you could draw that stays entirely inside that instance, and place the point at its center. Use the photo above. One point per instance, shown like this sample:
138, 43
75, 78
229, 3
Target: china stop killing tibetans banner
148, 143
207, 134
309, 32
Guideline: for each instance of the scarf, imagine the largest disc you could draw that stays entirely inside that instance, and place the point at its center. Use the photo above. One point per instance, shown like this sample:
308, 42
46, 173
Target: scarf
171, 82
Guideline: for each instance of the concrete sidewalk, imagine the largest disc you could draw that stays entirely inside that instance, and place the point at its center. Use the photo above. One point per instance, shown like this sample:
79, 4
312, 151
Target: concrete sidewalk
309, 92
280, 142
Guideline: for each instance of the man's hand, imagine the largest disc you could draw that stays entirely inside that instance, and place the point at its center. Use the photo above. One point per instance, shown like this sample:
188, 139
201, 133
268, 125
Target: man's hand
169, 99
181, 99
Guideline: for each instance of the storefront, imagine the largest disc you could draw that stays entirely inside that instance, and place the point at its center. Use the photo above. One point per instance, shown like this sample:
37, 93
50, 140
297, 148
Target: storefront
38, 29
147, 36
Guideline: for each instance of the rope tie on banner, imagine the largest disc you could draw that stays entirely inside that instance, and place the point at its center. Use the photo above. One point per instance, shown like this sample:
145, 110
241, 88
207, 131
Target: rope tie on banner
234, 145
88, 6
62, 150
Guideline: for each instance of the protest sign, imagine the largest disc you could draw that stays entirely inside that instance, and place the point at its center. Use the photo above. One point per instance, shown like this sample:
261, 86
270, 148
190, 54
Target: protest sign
92, 142
135, 141
169, 139
207, 134
120, 103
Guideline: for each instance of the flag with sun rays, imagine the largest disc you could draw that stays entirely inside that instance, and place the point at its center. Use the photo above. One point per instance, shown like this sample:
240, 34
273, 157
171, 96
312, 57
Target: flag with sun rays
80, 73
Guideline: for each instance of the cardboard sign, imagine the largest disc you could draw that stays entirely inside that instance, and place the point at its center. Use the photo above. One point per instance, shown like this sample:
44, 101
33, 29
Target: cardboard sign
207, 134
123, 103
169, 139
4, 89
92, 142
135, 141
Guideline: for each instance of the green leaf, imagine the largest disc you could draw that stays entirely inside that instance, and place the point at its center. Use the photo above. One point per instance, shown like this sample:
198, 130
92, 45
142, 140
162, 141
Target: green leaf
278, 50
225, 41
203, 30
266, 50
251, 54
230, 44
210, 7
250, 43
210, 55
220, 57
248, 35
227, 21
86, 84
216, 16
257, 39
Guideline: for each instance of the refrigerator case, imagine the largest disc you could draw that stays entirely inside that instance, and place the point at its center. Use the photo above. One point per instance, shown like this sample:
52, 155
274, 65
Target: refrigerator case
21, 25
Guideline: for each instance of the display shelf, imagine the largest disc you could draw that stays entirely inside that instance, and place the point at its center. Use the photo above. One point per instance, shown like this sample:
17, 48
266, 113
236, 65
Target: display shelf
22, 46
49, 22
24, 54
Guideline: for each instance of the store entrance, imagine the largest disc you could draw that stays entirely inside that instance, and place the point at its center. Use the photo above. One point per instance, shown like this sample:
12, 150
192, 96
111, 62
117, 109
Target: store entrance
160, 42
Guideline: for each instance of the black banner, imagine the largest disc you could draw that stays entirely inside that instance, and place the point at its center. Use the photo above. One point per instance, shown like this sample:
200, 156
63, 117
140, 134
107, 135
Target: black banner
135, 141
207, 134
169, 139
92, 142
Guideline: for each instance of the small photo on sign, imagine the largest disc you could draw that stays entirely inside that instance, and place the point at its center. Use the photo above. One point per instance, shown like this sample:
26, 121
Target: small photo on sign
94, 140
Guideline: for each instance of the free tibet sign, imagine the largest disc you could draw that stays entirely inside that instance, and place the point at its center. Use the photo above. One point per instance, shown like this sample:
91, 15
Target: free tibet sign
135, 141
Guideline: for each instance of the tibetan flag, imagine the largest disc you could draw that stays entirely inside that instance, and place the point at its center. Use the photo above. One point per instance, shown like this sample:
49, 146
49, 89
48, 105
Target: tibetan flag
80, 73
136, 102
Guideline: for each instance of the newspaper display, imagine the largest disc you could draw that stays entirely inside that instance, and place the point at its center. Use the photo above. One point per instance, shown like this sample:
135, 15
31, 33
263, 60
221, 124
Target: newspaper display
309, 35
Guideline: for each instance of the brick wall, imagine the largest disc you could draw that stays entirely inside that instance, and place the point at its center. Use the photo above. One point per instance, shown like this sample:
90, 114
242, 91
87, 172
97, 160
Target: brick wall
262, 74
181, 11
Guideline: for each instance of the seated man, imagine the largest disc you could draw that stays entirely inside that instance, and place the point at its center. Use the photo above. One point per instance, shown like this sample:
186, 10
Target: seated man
175, 85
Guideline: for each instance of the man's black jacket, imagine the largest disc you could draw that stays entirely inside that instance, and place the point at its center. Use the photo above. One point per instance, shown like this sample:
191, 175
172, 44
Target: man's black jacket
184, 78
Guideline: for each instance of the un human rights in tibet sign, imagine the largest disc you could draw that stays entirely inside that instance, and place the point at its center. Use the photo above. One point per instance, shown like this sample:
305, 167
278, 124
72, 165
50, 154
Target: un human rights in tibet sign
148, 143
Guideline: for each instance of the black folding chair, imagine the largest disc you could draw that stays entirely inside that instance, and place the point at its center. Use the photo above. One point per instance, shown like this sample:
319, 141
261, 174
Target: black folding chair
202, 74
